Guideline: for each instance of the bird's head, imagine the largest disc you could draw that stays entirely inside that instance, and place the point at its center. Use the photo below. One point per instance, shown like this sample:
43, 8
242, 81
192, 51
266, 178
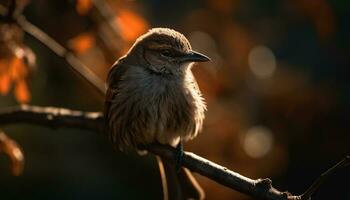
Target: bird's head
164, 50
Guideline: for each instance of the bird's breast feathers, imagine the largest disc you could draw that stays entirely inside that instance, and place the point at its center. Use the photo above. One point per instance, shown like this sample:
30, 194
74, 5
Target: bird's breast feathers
149, 108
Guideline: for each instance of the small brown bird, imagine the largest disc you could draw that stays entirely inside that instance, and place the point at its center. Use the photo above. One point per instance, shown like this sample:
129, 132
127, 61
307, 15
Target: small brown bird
152, 97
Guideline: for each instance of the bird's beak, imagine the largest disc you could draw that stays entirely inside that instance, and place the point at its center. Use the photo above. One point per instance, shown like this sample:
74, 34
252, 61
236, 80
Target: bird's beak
194, 56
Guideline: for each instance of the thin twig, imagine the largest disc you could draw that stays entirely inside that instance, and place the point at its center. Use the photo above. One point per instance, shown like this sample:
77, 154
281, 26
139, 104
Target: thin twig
79, 67
315, 186
110, 33
93, 121
59, 50
106, 12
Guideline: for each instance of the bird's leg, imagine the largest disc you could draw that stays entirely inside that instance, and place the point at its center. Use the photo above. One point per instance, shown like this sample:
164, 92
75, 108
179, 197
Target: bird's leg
179, 156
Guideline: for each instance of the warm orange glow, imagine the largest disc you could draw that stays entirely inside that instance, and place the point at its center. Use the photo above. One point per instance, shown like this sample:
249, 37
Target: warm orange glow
82, 43
4, 63
83, 6
131, 25
12, 149
4, 84
14, 71
21, 92
18, 69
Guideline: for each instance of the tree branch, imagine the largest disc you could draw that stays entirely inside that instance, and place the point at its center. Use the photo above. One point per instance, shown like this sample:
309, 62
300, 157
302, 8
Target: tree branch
64, 118
52, 117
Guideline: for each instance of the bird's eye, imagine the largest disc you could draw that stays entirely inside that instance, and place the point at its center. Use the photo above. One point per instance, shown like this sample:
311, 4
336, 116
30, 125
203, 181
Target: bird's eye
166, 53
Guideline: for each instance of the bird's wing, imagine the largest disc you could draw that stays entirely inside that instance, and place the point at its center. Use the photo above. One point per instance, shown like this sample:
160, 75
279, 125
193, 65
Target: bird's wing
115, 75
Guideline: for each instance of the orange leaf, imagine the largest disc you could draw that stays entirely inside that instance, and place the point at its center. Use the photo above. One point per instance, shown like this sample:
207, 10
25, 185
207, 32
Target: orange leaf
21, 92
3, 65
4, 84
83, 6
82, 43
18, 69
13, 150
131, 25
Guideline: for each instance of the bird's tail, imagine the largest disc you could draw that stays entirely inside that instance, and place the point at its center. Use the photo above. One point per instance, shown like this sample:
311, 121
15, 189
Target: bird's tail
178, 185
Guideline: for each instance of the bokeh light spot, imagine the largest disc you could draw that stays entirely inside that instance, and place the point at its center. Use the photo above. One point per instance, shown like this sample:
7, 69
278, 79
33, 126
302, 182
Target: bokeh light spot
262, 62
257, 141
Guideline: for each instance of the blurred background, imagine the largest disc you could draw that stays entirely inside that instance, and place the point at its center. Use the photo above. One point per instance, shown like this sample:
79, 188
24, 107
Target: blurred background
278, 93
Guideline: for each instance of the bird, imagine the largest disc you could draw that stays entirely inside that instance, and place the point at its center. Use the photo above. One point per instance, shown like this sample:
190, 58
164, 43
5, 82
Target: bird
153, 97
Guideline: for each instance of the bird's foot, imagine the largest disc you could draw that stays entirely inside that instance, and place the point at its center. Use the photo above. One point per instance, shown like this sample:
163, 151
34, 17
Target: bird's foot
179, 155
